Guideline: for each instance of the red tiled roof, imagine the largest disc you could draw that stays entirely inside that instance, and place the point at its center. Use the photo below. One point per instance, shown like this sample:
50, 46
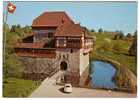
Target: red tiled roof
51, 19
68, 29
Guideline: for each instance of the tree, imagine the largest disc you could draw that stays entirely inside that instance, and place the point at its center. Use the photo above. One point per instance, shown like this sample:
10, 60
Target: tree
17, 29
121, 35
128, 35
12, 66
6, 28
100, 30
133, 48
92, 30
27, 29
116, 36
18, 26
135, 34
13, 28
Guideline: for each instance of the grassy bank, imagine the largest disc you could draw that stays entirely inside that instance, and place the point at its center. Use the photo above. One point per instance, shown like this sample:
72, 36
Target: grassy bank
14, 87
116, 52
124, 78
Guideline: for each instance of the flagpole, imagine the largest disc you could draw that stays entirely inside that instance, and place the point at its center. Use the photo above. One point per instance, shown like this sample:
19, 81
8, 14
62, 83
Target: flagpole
4, 33
6, 16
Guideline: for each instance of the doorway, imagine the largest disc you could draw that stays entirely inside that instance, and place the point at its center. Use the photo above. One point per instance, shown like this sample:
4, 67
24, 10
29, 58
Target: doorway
63, 66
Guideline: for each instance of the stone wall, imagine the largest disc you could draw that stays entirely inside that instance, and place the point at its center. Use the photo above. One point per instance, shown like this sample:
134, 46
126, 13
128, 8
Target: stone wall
84, 69
85, 78
73, 60
84, 61
38, 68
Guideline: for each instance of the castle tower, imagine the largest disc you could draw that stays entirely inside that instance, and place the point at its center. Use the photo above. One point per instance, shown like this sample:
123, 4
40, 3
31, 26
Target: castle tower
73, 47
56, 39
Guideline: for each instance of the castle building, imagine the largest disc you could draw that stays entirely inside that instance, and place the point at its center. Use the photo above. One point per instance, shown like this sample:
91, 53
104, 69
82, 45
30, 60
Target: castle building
57, 43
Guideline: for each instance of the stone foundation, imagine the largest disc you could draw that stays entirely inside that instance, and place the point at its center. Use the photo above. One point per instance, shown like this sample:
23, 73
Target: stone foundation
38, 68
35, 76
85, 78
75, 66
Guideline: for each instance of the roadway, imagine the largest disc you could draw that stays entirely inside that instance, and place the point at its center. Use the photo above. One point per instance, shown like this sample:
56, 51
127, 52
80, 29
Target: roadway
48, 88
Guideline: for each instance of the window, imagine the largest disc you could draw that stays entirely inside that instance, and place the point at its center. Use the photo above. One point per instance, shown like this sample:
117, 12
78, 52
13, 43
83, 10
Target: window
50, 34
71, 50
61, 42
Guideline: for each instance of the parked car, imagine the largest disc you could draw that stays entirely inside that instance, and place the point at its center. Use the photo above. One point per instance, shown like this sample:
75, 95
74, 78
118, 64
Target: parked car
68, 88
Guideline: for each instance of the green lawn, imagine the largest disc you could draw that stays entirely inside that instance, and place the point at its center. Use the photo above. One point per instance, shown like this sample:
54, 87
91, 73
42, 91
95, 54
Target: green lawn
13, 87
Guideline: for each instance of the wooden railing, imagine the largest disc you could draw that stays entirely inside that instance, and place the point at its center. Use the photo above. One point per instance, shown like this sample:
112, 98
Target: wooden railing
73, 45
29, 52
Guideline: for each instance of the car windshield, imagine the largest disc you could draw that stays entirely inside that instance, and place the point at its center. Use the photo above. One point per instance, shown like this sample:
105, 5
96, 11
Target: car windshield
67, 86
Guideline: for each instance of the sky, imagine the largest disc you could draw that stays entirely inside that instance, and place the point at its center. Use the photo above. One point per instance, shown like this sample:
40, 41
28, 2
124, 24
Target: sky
109, 16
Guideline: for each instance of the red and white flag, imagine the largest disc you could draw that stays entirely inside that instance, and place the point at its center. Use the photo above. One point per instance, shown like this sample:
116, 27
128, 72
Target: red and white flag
11, 7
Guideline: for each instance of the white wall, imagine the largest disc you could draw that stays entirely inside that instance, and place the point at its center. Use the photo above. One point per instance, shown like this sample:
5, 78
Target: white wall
84, 61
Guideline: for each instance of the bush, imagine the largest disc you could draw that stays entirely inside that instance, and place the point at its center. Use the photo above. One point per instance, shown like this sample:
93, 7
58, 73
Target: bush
12, 67
133, 49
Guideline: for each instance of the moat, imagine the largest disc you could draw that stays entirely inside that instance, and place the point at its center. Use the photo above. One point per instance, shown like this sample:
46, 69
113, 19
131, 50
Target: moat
102, 74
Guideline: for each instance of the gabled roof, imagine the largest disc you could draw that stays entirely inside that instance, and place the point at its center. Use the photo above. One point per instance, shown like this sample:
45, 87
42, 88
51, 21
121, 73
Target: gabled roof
69, 29
53, 19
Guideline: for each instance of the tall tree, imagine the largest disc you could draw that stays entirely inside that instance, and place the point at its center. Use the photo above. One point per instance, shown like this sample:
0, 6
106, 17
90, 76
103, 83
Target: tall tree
92, 30
128, 35
121, 35
27, 29
17, 29
13, 28
135, 34
116, 36
100, 30
6, 28
133, 48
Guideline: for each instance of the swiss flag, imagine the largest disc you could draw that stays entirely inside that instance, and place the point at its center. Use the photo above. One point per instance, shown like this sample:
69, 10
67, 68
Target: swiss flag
11, 7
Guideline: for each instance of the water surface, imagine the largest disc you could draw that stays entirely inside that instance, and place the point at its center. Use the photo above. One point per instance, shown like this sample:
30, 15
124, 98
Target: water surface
102, 74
